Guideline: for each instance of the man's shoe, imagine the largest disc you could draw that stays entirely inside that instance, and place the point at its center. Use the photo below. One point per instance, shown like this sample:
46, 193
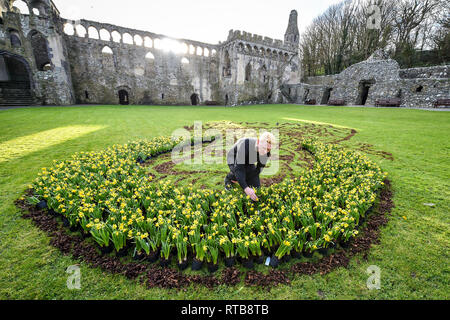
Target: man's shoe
228, 183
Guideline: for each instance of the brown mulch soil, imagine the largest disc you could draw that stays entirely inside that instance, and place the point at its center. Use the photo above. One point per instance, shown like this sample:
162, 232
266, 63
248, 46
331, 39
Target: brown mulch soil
269, 181
273, 278
231, 276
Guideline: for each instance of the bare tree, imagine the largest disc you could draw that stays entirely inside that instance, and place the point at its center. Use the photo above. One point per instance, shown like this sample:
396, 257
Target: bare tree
340, 37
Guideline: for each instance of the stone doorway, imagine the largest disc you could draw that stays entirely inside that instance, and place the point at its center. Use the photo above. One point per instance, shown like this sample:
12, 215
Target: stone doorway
364, 88
195, 100
15, 81
326, 96
123, 97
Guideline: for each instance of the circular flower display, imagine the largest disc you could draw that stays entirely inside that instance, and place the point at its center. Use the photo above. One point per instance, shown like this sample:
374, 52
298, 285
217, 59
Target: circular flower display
109, 196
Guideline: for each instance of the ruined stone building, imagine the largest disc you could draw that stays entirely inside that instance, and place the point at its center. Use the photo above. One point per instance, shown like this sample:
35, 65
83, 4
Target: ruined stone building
48, 60
377, 78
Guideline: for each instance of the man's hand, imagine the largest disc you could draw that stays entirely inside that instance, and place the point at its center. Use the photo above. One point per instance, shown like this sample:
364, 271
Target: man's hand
251, 193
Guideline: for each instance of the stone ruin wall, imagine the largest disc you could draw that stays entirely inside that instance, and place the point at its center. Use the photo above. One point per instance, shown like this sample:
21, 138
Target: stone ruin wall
416, 87
163, 80
79, 71
259, 67
52, 86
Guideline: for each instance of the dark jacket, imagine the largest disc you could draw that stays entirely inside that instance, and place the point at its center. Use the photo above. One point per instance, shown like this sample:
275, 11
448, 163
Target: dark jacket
241, 159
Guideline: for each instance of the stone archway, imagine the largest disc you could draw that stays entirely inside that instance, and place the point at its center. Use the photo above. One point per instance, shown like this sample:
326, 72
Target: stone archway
16, 82
124, 98
195, 100
364, 88
326, 96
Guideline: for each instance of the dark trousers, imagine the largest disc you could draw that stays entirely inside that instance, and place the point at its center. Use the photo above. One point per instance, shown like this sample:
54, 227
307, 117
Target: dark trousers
251, 175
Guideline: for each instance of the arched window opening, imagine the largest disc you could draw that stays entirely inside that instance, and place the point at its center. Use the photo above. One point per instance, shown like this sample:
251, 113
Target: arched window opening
21, 7
93, 33
213, 52
148, 42
107, 50
248, 70
199, 51
14, 37
191, 49
105, 35
149, 56
195, 100
127, 38
206, 52
262, 51
264, 76
68, 29
138, 40
248, 48
39, 7
419, 89
157, 44
184, 48
123, 97
184, 60
40, 50
116, 37
286, 57
81, 31
227, 65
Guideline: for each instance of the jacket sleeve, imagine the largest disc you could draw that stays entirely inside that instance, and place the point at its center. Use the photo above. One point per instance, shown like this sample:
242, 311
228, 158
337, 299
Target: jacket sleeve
241, 175
261, 164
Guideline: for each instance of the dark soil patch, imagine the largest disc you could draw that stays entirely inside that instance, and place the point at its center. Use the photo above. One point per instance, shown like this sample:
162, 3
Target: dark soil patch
231, 276
273, 278
353, 132
269, 181
368, 148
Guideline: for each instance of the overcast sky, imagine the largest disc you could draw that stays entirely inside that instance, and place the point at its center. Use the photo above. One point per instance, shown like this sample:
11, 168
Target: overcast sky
202, 20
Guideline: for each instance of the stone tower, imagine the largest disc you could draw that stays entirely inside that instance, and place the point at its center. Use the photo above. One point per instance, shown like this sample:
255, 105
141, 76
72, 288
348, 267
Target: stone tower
292, 35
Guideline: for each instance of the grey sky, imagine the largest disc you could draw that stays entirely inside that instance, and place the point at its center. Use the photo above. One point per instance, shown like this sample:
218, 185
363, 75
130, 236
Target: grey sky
201, 20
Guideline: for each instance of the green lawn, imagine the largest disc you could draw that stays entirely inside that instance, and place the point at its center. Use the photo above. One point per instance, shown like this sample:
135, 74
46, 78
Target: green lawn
413, 255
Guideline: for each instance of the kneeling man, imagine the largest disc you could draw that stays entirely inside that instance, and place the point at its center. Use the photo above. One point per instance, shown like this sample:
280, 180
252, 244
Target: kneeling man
241, 159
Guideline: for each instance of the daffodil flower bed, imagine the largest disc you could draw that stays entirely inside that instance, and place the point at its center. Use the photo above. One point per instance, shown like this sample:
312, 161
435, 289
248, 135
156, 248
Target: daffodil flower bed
109, 196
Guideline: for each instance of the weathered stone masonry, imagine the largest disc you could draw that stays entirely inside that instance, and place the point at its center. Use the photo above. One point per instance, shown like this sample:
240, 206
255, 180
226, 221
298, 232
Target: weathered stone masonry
377, 78
91, 62
45, 59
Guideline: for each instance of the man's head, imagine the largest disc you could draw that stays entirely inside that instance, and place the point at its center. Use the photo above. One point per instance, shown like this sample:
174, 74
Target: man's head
265, 142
